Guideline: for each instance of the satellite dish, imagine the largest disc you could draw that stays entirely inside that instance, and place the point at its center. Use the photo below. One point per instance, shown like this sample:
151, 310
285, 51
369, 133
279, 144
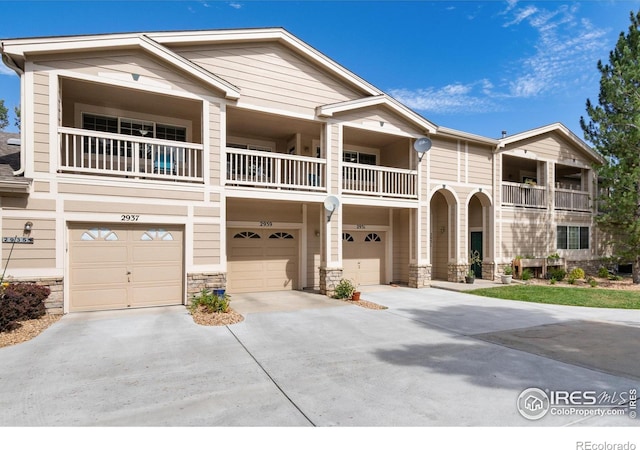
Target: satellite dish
331, 203
422, 145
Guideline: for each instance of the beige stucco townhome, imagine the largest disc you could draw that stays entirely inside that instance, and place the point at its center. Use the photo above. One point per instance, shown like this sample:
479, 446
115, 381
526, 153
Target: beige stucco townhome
154, 165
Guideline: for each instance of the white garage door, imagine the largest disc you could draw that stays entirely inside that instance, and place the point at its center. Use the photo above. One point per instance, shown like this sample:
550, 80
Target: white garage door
261, 260
363, 255
114, 266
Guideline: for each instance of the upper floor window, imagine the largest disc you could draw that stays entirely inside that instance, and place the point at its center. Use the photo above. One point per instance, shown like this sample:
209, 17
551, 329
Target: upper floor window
359, 158
133, 127
572, 238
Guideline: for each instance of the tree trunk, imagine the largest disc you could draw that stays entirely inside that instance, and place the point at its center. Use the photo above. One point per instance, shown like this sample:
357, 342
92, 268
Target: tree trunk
636, 270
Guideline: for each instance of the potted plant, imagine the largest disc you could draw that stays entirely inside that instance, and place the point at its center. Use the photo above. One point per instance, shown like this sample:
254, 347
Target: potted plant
474, 259
470, 277
345, 289
507, 275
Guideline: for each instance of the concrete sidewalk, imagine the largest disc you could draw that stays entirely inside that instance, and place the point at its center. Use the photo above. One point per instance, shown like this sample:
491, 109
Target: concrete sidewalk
428, 360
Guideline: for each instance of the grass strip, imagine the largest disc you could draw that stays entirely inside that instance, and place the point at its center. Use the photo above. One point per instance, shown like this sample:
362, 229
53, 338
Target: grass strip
594, 298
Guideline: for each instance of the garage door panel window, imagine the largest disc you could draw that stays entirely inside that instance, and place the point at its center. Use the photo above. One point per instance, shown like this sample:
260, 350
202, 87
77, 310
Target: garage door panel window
281, 235
347, 237
99, 234
372, 237
246, 235
156, 234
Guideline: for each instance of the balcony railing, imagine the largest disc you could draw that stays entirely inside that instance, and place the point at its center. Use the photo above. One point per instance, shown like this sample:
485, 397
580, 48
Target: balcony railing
275, 170
379, 181
570, 200
112, 154
523, 195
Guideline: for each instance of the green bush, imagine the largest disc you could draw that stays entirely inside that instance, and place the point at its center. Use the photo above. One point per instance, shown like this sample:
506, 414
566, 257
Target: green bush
527, 274
21, 301
603, 272
556, 273
211, 302
592, 282
571, 280
552, 281
344, 289
577, 273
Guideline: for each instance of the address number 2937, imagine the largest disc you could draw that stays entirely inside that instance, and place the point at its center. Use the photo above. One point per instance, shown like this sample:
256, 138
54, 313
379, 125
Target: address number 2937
129, 217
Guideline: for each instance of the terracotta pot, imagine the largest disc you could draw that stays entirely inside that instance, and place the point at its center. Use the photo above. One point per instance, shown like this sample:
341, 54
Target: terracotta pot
356, 296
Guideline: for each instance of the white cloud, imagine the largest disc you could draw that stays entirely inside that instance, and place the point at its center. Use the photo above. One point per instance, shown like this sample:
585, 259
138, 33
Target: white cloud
453, 98
4, 70
565, 44
235, 5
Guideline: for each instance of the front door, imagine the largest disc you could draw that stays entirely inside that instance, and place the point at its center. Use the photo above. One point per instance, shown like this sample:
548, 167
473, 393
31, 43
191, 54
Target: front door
476, 246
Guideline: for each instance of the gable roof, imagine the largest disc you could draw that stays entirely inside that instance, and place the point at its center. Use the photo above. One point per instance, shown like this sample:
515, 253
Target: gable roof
9, 163
556, 127
14, 53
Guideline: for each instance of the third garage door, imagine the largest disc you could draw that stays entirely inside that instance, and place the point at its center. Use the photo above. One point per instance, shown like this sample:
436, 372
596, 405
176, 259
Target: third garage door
363, 255
261, 260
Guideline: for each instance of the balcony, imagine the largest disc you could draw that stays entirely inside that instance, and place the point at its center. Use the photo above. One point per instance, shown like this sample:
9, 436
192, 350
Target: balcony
523, 195
92, 152
572, 200
379, 181
275, 170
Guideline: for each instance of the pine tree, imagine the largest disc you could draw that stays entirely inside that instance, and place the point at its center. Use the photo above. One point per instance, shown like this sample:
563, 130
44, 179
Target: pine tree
4, 115
614, 131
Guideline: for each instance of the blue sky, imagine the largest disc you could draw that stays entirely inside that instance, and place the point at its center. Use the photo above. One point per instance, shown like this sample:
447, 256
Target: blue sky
477, 66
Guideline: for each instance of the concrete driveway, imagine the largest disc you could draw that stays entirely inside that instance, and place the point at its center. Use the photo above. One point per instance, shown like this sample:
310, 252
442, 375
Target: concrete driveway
434, 358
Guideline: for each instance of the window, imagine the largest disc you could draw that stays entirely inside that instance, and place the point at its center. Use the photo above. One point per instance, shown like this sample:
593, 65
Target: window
359, 158
247, 235
372, 237
133, 127
281, 235
572, 238
347, 237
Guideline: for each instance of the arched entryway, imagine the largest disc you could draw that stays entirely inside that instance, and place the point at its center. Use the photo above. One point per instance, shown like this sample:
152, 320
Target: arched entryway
479, 232
443, 230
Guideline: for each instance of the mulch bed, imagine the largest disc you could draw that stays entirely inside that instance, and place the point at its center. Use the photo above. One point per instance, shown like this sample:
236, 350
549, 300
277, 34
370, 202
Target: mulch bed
202, 317
28, 330
365, 304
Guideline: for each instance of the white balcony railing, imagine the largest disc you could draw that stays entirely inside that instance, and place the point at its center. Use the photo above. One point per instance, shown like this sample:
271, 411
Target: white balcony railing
379, 181
99, 153
571, 200
523, 195
275, 170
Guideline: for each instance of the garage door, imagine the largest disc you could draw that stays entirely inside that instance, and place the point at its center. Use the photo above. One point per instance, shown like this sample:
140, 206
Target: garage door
363, 255
261, 260
113, 267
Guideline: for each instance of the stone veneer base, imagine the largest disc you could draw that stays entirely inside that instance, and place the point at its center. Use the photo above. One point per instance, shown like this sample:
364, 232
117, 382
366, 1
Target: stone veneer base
329, 279
419, 275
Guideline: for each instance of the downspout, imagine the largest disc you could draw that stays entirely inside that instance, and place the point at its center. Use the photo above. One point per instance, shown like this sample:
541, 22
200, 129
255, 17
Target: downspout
10, 63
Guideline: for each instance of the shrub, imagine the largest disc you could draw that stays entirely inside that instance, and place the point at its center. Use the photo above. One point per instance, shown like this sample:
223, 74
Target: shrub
527, 274
571, 280
552, 281
603, 272
21, 301
577, 273
211, 302
556, 274
507, 270
592, 282
344, 289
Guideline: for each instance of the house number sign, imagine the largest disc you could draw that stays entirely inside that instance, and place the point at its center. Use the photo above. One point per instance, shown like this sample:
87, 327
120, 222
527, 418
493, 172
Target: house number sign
129, 217
17, 240
266, 223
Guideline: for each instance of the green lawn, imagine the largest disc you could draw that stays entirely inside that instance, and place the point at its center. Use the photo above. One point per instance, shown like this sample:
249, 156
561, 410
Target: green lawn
595, 298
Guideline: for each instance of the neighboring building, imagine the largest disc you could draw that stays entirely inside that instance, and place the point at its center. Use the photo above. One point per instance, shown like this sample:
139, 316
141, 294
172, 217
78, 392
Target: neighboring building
159, 164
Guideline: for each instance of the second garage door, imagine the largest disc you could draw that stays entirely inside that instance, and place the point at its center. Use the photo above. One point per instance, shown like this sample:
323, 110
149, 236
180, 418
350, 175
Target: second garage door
261, 260
363, 255
117, 266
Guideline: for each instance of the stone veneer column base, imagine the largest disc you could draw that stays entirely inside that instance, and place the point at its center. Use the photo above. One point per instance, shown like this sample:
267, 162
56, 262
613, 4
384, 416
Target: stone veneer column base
329, 279
419, 275
488, 271
196, 282
457, 272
